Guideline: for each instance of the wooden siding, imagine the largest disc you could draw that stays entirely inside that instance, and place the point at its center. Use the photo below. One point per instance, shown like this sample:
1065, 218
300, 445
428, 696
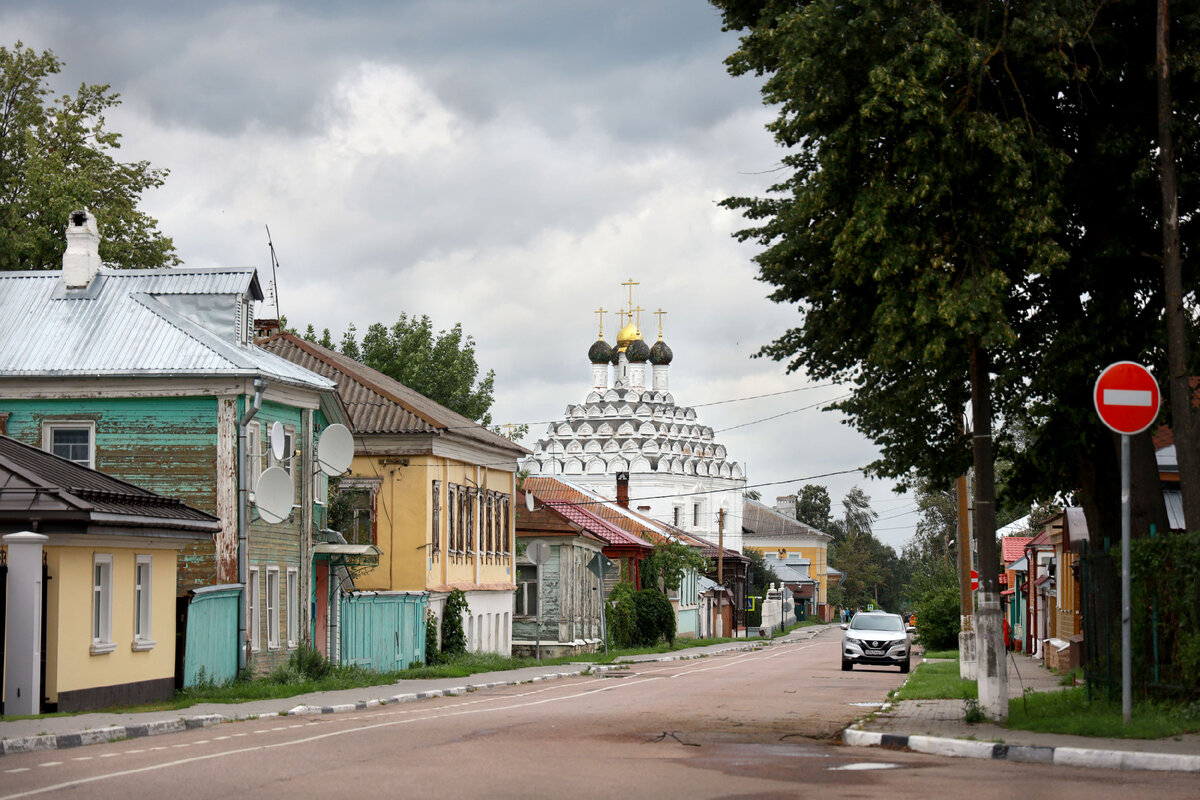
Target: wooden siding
210, 644
383, 632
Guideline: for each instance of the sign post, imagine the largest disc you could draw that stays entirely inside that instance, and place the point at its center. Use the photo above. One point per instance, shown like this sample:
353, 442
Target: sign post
1127, 399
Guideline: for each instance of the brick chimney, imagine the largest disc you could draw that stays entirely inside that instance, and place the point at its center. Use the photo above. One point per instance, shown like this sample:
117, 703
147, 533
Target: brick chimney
623, 489
81, 261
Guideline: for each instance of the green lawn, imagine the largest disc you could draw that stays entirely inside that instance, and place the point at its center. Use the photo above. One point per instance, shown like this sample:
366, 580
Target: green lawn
936, 680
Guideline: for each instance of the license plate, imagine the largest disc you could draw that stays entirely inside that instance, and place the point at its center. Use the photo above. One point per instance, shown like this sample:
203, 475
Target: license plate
874, 652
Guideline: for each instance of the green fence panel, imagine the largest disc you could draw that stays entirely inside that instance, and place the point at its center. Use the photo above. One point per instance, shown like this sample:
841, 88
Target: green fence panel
210, 651
383, 631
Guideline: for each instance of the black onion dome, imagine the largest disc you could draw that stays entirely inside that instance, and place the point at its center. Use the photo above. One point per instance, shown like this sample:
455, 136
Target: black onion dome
616, 357
660, 354
600, 352
638, 351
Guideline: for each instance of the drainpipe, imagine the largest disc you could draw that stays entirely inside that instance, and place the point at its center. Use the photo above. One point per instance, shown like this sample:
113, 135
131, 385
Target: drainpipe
260, 386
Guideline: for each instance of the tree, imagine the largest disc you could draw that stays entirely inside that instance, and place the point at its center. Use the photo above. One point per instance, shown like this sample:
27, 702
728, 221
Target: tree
442, 367
666, 564
812, 507
761, 574
57, 157
963, 215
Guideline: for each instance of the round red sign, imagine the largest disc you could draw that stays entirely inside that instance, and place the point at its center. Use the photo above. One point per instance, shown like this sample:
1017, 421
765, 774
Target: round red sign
974, 581
1126, 397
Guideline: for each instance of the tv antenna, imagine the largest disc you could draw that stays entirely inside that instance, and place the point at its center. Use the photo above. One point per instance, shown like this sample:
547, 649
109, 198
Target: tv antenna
274, 268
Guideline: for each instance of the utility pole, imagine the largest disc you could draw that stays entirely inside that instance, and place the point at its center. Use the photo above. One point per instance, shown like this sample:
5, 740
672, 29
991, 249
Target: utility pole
966, 636
721, 566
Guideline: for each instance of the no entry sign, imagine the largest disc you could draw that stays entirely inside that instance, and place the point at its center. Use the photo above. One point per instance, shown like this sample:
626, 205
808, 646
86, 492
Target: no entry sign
1126, 397
974, 581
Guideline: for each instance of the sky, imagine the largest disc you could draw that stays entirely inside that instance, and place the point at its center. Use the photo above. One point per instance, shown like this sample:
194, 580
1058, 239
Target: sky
503, 165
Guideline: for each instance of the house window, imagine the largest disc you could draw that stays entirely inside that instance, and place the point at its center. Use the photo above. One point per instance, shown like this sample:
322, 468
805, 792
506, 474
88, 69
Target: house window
351, 512
293, 607
488, 543
451, 542
472, 503
436, 505
73, 441
253, 601
696, 514
254, 452
102, 577
273, 608
142, 598
526, 600
507, 541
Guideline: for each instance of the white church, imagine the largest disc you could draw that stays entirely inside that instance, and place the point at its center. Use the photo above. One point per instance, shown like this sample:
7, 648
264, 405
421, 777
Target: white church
629, 428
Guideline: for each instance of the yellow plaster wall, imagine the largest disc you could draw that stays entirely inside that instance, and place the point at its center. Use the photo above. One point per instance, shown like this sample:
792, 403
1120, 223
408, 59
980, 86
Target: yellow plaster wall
69, 662
404, 524
816, 567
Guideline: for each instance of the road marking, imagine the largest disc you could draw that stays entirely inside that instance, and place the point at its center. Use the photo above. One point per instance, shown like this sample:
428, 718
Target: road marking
18, 769
109, 755
132, 752
50, 763
82, 758
863, 765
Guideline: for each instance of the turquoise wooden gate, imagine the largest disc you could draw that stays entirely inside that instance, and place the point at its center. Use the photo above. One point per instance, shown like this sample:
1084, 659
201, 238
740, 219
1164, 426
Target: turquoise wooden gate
383, 631
210, 645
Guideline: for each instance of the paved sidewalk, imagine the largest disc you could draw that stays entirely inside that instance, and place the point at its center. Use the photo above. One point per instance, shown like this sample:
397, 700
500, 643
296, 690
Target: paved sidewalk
59, 732
937, 726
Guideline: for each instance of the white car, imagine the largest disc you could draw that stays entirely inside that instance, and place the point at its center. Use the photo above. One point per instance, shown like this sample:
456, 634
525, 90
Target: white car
878, 638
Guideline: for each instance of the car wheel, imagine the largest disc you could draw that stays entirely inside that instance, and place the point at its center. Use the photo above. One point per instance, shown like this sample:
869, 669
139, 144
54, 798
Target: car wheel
847, 665
907, 662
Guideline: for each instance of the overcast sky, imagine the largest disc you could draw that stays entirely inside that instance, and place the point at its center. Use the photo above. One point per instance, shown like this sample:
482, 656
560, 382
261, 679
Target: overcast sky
506, 165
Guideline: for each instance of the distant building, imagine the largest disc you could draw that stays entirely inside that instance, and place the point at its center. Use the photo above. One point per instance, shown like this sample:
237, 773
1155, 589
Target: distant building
629, 425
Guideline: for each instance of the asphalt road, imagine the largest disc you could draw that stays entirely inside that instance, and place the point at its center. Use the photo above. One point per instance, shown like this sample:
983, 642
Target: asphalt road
745, 724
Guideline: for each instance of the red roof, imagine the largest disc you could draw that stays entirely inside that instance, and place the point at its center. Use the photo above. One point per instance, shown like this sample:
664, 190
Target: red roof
594, 524
560, 496
1013, 548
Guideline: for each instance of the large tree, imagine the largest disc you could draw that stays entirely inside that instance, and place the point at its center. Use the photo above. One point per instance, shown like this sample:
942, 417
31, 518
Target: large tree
812, 507
967, 204
440, 365
57, 156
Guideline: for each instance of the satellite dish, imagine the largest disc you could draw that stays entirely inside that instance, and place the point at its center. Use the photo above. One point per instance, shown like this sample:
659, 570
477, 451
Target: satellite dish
335, 450
273, 495
529, 501
277, 437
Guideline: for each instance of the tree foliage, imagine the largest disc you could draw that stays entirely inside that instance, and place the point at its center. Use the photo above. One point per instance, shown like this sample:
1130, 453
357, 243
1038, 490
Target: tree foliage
761, 574
454, 638
57, 156
812, 507
961, 178
439, 365
667, 563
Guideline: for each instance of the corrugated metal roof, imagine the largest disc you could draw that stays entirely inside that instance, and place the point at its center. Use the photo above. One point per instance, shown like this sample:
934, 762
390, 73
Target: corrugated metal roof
762, 520
551, 491
34, 480
1013, 547
167, 322
377, 403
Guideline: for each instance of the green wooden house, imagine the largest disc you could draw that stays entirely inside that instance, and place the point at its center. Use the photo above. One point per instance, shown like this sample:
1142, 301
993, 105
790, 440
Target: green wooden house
152, 376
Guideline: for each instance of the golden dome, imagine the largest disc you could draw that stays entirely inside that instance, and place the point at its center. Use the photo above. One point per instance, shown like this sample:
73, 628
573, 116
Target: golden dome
628, 334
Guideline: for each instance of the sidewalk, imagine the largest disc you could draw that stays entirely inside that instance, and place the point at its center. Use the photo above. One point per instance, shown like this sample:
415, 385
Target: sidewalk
60, 732
937, 727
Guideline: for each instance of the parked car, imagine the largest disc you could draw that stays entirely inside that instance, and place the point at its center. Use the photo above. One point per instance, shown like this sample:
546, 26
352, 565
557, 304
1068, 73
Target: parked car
875, 637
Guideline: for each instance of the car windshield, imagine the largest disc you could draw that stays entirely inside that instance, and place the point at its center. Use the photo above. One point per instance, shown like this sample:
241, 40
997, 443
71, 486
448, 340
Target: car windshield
876, 622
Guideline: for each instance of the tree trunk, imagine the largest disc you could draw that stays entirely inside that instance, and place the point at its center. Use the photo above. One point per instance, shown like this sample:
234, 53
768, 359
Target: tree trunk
1178, 378
992, 673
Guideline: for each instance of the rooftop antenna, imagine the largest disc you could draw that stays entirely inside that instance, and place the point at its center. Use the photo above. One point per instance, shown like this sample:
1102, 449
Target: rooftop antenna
274, 267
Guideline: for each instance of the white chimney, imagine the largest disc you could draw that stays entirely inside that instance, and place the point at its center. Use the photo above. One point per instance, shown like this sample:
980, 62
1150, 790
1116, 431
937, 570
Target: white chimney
81, 261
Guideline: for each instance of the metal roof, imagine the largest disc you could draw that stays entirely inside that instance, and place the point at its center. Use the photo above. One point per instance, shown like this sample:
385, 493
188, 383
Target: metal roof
762, 520
560, 494
377, 403
55, 491
135, 323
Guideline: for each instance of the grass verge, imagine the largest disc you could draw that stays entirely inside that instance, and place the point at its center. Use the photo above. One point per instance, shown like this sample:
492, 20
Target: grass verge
941, 654
1070, 712
936, 680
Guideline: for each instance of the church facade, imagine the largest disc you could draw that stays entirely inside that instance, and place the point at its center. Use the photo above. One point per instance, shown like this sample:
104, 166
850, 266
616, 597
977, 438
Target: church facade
629, 438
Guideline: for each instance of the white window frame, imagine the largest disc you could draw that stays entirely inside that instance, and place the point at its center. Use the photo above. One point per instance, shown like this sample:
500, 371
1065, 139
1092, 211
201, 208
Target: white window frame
50, 426
143, 603
254, 451
102, 584
253, 601
293, 607
272, 608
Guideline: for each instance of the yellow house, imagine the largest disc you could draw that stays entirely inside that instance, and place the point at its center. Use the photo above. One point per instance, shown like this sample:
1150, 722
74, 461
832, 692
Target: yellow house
108, 553
785, 540
431, 489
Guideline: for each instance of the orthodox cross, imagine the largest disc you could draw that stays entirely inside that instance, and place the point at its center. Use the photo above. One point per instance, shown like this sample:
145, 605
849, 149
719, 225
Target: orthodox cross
601, 311
638, 311
660, 314
631, 283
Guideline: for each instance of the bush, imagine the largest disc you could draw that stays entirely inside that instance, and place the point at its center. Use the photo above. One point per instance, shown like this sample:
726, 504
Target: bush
938, 618
303, 665
654, 620
622, 616
432, 654
454, 639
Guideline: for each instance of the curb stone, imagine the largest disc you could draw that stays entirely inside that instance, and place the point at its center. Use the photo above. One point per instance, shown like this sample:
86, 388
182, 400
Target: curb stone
1059, 756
